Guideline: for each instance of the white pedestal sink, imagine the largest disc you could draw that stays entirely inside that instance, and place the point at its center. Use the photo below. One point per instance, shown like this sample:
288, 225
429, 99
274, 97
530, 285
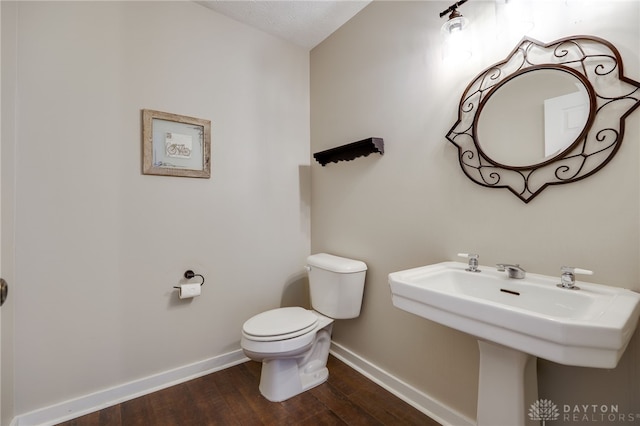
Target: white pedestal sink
516, 320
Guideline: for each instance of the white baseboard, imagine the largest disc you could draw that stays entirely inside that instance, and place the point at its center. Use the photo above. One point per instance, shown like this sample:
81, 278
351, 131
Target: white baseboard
412, 396
71, 409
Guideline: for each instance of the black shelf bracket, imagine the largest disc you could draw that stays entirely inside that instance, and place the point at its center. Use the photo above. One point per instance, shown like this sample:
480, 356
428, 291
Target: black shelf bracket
350, 151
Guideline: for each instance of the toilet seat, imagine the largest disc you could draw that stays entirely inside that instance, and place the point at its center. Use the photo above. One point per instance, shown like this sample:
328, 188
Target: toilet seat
280, 324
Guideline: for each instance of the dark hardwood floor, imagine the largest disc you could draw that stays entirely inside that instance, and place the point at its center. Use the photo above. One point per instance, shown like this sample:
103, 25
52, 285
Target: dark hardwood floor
231, 397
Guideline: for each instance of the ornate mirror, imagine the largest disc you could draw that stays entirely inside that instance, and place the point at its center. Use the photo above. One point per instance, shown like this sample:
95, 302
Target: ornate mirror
548, 114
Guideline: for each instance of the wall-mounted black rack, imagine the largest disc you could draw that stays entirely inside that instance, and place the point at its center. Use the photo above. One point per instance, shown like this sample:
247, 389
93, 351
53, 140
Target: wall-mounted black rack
350, 151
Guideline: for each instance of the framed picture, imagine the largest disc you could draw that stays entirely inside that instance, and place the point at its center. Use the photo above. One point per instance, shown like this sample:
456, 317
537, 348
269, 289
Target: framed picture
175, 145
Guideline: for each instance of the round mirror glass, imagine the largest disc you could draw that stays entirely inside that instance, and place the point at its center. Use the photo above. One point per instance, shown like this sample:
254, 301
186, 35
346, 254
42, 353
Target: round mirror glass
533, 117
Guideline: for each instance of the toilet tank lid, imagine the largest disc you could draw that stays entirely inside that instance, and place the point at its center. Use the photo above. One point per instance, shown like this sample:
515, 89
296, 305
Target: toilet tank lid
333, 263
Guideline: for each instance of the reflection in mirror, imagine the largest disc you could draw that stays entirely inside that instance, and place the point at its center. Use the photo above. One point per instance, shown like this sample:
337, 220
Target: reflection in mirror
490, 126
533, 117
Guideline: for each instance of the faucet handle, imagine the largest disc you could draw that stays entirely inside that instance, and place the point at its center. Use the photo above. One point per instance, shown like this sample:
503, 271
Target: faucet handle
568, 280
473, 261
572, 270
469, 255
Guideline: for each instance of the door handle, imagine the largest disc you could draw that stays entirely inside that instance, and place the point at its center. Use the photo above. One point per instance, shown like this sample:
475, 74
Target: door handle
4, 291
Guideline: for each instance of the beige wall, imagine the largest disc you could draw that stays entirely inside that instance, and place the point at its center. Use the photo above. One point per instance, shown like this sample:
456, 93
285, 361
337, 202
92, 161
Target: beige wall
7, 182
8, 98
98, 245
382, 75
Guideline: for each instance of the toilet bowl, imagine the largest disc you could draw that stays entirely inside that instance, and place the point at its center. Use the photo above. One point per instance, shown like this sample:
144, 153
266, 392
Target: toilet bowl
293, 361
292, 342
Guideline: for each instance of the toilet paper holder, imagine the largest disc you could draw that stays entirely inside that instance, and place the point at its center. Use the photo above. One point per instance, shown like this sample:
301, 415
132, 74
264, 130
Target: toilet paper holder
189, 274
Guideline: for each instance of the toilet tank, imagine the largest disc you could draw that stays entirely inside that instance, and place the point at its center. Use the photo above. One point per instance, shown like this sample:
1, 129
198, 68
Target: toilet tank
336, 285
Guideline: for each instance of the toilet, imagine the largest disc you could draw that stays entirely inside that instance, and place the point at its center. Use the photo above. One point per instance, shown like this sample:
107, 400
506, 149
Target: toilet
293, 343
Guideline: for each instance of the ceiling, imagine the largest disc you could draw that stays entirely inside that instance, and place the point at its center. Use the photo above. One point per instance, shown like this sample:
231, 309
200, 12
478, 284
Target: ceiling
302, 22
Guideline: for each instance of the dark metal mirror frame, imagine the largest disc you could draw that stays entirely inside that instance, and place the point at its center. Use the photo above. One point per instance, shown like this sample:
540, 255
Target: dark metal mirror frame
597, 64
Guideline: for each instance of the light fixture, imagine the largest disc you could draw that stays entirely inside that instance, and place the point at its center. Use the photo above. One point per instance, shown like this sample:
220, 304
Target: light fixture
456, 21
456, 46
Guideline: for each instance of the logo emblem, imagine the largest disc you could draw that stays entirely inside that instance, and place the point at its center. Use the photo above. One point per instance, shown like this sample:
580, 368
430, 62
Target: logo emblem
543, 409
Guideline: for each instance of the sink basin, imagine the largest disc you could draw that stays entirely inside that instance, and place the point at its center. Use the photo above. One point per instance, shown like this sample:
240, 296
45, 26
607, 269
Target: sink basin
590, 327
516, 320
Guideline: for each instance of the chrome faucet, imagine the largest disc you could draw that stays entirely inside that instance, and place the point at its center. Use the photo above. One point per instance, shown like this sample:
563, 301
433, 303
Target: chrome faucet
514, 271
568, 277
473, 261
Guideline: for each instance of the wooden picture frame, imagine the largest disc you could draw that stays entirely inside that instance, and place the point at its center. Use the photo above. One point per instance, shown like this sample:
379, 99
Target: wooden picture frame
175, 145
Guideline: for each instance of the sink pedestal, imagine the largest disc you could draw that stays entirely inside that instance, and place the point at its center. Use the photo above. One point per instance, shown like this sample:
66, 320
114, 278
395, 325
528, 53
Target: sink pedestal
507, 385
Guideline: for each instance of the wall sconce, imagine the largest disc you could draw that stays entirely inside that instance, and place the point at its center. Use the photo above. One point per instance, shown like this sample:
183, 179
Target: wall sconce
455, 44
456, 21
